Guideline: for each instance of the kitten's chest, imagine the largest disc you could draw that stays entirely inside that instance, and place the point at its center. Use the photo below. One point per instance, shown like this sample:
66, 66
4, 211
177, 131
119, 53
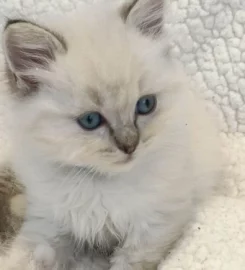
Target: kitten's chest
96, 224
102, 216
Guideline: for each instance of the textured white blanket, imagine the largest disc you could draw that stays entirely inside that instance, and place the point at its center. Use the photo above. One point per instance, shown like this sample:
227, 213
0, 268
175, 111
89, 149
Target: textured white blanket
209, 38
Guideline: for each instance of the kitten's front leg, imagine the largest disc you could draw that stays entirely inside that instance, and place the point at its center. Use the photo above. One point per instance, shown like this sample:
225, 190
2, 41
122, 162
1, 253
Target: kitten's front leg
40, 245
144, 250
123, 260
91, 263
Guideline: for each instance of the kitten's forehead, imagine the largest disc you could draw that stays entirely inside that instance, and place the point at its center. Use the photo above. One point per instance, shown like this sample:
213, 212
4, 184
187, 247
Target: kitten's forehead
114, 99
104, 65
100, 60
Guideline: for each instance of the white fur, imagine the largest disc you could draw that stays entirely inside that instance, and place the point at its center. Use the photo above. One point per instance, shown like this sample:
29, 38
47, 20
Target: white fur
146, 202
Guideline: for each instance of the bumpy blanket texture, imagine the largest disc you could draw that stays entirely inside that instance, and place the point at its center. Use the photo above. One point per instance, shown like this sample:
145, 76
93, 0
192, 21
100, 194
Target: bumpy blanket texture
208, 36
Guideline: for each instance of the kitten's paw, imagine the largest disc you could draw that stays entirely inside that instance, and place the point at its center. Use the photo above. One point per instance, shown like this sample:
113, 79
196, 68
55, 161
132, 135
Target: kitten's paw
87, 263
137, 266
121, 263
23, 257
45, 256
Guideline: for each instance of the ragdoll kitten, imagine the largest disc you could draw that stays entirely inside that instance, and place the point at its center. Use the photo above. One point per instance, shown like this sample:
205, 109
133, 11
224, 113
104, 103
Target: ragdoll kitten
114, 149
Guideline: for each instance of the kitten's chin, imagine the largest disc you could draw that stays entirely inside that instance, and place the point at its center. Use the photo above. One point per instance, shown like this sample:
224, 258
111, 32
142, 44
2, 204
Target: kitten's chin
117, 166
124, 165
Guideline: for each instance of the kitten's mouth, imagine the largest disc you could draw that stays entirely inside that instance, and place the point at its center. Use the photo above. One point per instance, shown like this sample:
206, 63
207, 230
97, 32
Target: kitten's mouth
126, 160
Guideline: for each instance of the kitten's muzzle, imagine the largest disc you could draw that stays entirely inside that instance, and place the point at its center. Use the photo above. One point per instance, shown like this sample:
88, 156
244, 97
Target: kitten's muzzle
127, 139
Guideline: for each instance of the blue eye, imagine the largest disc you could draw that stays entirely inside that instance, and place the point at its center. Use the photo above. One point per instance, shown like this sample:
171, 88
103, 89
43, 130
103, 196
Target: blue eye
146, 104
90, 121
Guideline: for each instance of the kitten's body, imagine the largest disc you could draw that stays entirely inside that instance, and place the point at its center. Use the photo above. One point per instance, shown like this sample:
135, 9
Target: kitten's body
83, 191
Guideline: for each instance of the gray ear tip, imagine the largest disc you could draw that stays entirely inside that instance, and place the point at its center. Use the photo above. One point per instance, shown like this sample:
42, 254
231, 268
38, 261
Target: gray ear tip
10, 22
16, 21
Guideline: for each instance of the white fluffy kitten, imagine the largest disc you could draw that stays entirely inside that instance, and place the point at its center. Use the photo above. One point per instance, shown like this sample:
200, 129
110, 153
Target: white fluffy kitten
112, 146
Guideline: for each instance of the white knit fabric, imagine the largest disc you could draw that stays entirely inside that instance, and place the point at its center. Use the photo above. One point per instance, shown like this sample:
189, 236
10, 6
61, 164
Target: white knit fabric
209, 39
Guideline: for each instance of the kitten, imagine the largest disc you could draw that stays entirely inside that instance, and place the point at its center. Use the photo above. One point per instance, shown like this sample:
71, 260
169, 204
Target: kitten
113, 148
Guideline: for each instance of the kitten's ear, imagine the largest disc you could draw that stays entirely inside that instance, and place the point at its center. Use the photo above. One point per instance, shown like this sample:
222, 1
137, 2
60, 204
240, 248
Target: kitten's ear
28, 47
146, 15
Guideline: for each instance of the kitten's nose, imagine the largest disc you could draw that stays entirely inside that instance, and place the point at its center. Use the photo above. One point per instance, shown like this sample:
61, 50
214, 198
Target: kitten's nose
127, 139
127, 148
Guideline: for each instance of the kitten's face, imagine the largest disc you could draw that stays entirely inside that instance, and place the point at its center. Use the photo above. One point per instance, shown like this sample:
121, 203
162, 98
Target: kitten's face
95, 97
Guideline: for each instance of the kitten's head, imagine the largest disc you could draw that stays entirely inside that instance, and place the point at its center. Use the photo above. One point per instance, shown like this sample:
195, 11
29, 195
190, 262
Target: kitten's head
90, 89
